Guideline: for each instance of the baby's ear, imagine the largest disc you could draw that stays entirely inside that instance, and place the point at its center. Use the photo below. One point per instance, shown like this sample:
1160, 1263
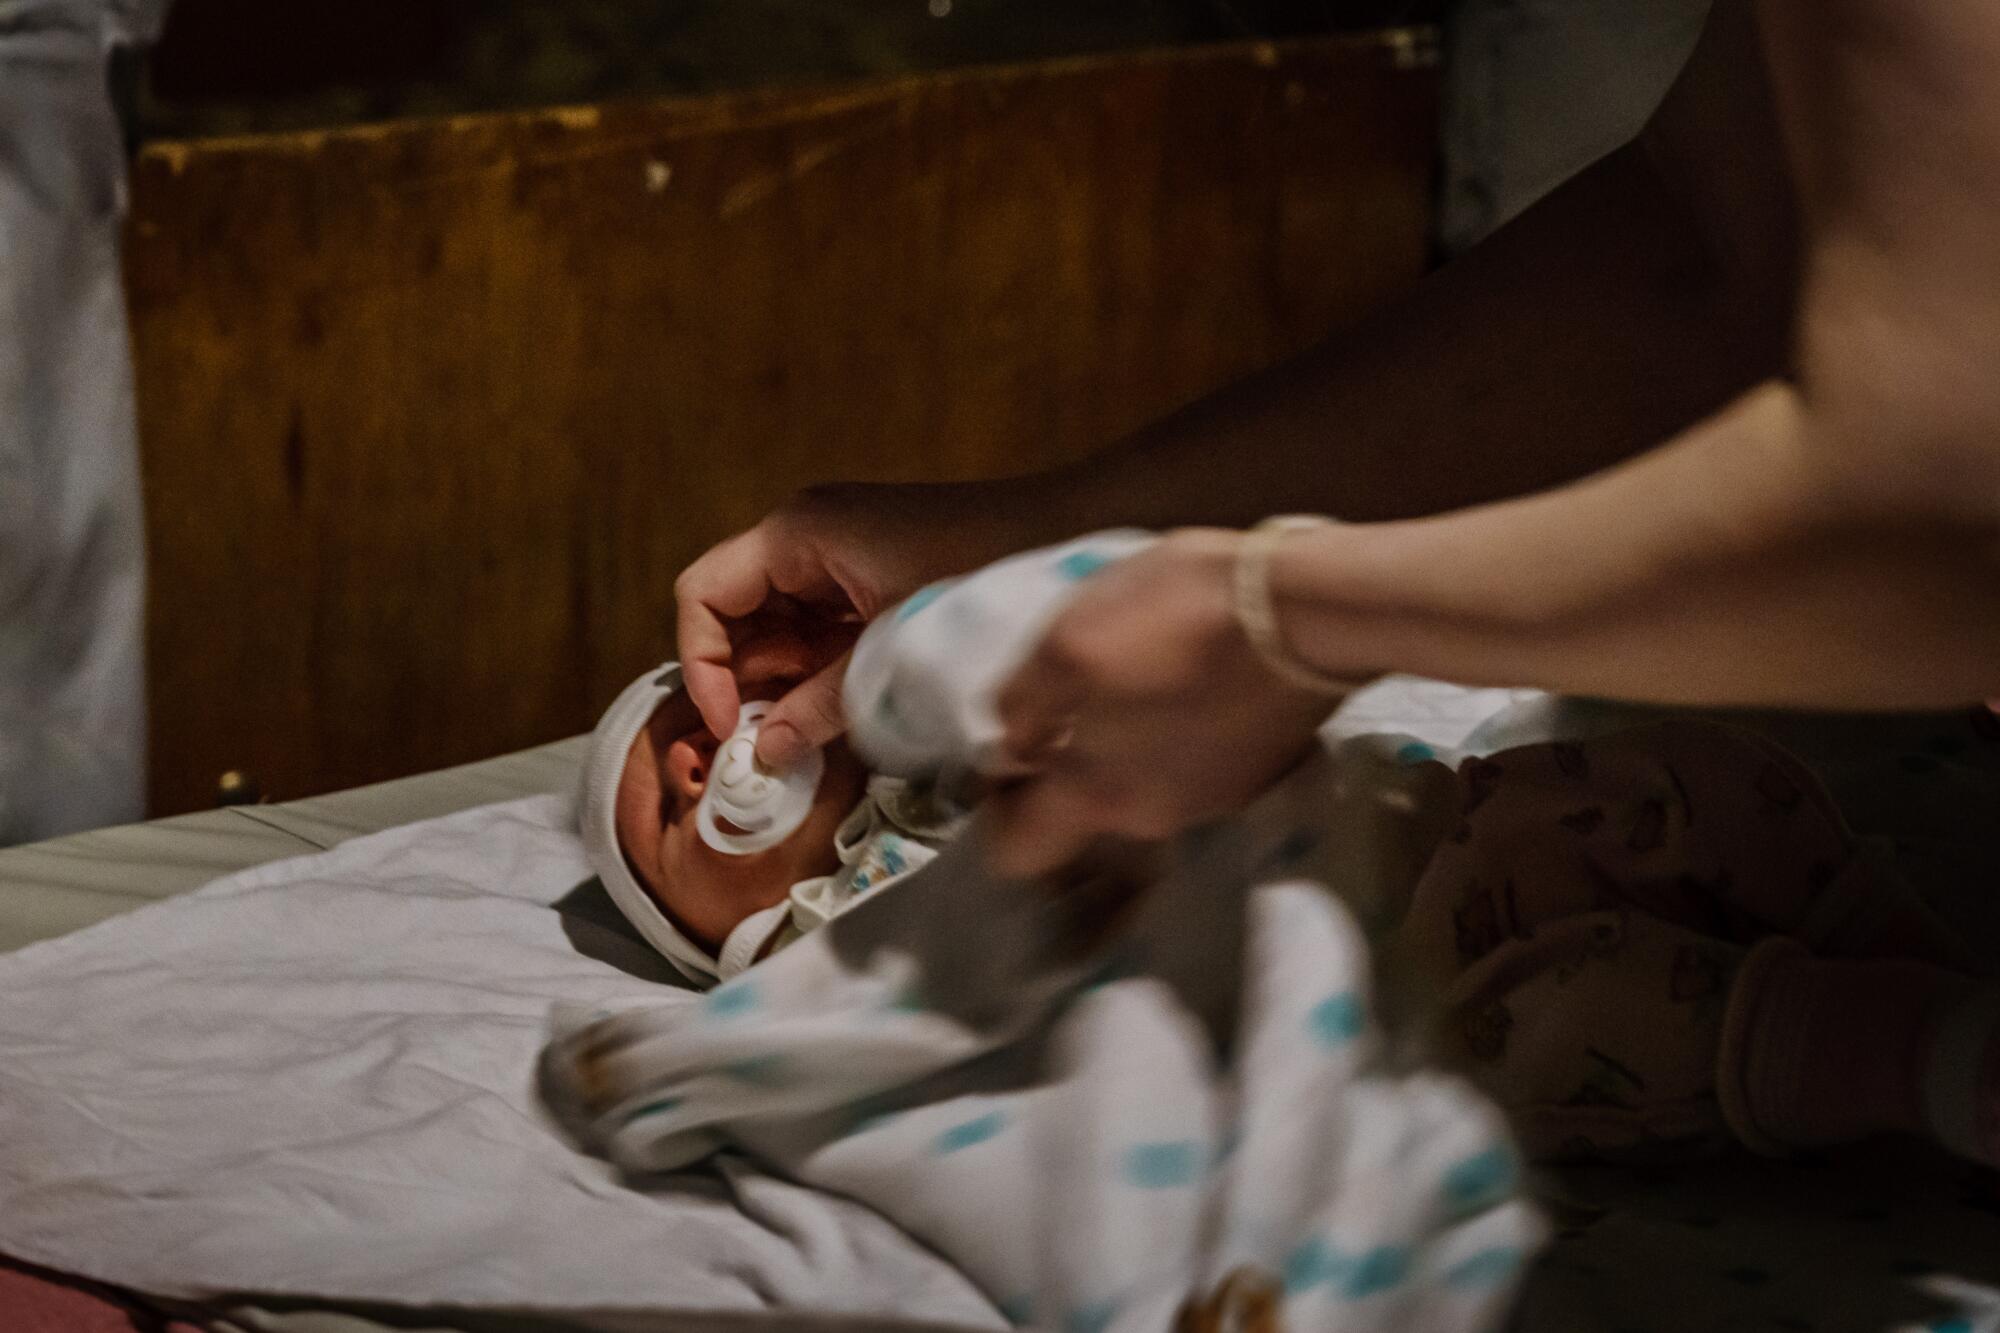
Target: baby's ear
688, 761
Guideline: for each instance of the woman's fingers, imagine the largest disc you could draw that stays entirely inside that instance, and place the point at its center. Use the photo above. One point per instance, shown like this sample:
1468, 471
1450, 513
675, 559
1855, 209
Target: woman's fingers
1043, 822
731, 581
705, 656
761, 586
806, 718
1038, 706
1142, 710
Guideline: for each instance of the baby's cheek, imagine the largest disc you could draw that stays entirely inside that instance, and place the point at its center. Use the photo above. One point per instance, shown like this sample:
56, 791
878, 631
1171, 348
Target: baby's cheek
636, 815
812, 850
695, 889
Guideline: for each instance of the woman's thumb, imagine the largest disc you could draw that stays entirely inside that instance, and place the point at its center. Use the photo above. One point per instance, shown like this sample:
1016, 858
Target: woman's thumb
806, 718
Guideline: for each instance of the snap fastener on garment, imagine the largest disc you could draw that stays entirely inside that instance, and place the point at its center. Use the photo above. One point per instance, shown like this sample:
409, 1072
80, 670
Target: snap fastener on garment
746, 807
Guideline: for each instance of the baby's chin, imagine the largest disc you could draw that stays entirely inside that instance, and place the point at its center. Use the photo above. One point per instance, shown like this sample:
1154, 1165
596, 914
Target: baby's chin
709, 893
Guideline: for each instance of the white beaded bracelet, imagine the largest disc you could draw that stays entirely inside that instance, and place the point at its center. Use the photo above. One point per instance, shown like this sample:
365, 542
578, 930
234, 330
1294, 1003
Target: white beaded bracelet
1259, 619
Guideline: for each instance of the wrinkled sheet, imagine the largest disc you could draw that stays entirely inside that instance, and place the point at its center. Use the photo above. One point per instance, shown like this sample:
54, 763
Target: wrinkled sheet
315, 1079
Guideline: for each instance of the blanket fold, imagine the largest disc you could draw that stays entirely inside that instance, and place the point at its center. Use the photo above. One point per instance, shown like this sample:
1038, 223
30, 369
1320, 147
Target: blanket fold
1197, 1114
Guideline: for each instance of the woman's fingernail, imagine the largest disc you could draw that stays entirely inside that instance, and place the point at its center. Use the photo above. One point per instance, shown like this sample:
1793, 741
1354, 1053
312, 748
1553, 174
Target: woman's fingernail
779, 746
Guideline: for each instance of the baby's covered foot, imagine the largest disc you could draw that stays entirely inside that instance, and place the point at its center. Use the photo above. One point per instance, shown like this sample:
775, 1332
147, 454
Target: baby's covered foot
1817, 1052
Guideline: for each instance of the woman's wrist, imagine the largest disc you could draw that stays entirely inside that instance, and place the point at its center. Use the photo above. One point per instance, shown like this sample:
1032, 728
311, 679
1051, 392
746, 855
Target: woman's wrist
1255, 608
1312, 584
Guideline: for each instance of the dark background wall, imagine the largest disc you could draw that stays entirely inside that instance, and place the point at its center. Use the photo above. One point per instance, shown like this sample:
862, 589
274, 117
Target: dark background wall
230, 66
431, 413
335, 382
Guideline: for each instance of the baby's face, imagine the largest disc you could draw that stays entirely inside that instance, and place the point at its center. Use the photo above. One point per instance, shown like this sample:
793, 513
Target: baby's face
705, 892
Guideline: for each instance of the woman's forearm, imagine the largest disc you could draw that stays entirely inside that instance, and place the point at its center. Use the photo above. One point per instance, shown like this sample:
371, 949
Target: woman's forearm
1627, 305
1738, 564
1561, 346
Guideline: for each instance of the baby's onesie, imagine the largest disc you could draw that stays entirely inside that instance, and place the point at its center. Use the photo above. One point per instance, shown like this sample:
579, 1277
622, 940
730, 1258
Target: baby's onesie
1661, 939
894, 831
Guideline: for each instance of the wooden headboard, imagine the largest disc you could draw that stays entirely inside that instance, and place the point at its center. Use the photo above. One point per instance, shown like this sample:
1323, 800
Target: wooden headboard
433, 412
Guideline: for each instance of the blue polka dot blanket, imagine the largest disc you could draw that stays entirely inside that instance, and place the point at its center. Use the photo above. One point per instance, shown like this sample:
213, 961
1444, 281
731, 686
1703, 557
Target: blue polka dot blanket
1111, 1112
921, 690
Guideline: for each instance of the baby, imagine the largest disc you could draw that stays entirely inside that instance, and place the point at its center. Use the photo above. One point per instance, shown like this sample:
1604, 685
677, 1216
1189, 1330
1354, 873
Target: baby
715, 900
1656, 941
1666, 938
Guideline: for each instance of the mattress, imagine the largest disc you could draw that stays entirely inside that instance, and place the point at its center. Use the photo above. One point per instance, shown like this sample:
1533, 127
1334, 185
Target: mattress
51, 888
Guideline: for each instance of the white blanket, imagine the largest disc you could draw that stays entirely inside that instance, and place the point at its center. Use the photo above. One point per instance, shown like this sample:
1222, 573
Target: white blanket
1196, 1115
316, 1079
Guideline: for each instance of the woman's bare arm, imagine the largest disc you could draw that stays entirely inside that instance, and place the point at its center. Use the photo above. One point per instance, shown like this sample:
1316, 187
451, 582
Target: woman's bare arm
1732, 566
1635, 300
1833, 538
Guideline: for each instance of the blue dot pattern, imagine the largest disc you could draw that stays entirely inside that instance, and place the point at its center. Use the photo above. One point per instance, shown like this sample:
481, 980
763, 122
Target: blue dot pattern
731, 1000
1309, 1265
1952, 1326
1381, 1268
970, 1133
922, 598
1090, 1318
1481, 1179
1416, 752
1079, 565
660, 1107
1354, 1277
887, 710
1336, 1020
1019, 1310
1484, 1269
1168, 1165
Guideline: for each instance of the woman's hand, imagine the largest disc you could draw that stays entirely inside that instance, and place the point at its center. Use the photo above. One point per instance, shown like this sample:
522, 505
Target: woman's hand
1144, 710
814, 572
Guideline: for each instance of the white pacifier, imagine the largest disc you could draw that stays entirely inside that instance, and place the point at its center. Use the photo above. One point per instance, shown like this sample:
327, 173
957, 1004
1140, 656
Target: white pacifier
766, 807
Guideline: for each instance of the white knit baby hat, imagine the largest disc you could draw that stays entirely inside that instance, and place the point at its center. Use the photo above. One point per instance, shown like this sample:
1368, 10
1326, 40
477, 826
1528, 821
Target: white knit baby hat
610, 744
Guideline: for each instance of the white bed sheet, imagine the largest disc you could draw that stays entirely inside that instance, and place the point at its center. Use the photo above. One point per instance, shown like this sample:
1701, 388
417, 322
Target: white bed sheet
314, 1079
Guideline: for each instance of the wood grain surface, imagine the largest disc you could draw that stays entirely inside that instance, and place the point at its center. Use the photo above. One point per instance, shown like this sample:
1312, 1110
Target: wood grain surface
433, 412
